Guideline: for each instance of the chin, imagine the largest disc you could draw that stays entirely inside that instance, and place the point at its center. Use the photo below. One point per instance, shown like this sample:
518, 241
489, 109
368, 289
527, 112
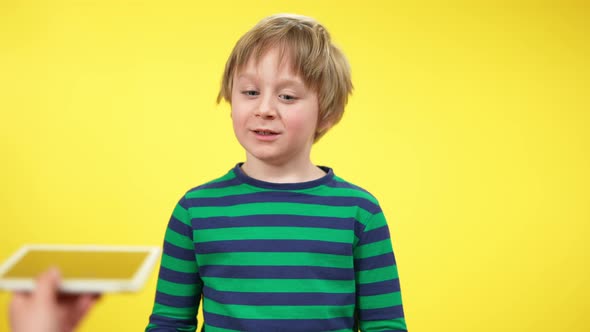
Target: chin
267, 157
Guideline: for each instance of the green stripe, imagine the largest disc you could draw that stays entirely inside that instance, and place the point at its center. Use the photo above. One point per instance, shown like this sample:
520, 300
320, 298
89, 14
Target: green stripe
275, 259
373, 249
380, 325
222, 192
181, 214
278, 312
172, 288
179, 265
347, 192
380, 301
228, 176
198, 192
377, 221
326, 191
174, 312
272, 233
279, 208
280, 285
178, 240
377, 275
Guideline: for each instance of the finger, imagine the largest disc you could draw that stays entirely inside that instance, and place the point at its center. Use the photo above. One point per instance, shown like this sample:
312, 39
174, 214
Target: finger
95, 297
86, 302
20, 295
47, 285
80, 307
19, 299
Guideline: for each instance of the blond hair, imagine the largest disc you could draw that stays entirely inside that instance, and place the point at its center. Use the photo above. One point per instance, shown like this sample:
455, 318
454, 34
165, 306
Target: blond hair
322, 66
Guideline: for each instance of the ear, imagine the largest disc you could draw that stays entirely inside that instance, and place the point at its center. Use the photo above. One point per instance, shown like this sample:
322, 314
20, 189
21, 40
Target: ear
325, 126
321, 129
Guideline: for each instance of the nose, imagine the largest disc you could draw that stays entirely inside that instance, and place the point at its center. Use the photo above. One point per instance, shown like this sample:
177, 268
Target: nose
267, 109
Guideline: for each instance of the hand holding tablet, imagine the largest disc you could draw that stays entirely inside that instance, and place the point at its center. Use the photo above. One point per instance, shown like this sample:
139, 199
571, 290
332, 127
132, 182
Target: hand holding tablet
46, 310
83, 268
54, 286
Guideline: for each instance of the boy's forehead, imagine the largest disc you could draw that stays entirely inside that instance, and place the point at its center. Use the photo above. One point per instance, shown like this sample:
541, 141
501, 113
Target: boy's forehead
273, 57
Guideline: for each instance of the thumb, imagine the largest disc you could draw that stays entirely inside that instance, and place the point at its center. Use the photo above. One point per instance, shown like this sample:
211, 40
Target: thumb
47, 285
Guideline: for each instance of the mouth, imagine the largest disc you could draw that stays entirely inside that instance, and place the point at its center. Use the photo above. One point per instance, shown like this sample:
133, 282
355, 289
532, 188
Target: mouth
265, 132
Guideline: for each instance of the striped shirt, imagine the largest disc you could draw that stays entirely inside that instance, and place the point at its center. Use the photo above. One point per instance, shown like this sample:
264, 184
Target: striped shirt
310, 256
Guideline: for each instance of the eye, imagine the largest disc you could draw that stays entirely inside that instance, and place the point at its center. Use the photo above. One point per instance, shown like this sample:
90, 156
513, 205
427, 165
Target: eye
250, 93
287, 97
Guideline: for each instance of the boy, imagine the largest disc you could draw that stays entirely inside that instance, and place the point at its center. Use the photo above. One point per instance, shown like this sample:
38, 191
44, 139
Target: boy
279, 244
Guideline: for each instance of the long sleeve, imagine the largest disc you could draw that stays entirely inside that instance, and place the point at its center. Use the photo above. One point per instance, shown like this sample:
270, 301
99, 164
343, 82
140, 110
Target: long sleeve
379, 302
178, 291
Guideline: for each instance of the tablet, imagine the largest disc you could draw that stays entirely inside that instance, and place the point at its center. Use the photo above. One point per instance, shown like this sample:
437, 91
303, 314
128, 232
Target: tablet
84, 268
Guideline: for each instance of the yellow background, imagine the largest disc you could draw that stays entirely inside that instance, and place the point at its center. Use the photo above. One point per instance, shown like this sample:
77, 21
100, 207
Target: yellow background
469, 122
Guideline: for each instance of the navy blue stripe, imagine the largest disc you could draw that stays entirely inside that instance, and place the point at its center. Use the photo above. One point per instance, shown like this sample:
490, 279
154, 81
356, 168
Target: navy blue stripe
378, 288
237, 170
273, 220
320, 247
180, 228
374, 235
283, 325
182, 203
257, 299
164, 324
277, 272
178, 252
177, 301
280, 220
284, 196
374, 262
382, 313
178, 277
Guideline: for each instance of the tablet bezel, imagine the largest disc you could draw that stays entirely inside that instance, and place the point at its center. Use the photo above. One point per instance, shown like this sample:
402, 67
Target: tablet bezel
132, 284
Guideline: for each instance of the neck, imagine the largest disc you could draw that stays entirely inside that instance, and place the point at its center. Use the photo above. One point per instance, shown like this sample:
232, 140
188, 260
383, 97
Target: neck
288, 173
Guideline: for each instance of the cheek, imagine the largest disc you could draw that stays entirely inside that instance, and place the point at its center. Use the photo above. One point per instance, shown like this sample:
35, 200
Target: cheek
305, 117
301, 123
238, 119
235, 119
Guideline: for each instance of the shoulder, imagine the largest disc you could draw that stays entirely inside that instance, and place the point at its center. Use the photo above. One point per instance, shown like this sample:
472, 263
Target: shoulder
212, 187
367, 205
347, 194
228, 179
343, 187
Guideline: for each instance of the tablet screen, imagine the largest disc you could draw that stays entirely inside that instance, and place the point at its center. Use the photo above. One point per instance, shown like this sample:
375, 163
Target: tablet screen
78, 264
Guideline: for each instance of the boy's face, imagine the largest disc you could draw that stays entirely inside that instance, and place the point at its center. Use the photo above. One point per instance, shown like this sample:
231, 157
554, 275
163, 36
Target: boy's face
274, 114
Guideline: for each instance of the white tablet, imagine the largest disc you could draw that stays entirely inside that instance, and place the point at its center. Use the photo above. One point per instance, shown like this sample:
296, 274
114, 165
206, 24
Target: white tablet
84, 268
